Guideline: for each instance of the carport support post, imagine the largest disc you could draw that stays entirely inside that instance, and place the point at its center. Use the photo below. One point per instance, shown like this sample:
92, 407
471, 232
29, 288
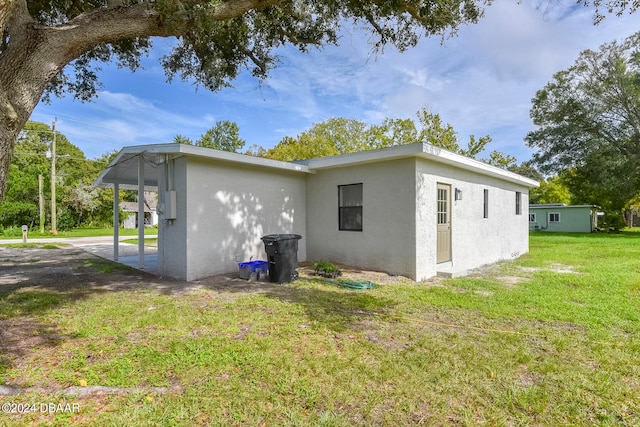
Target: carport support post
116, 220
141, 211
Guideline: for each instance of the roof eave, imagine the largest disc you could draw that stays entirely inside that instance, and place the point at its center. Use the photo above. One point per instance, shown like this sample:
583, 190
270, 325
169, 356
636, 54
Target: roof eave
422, 150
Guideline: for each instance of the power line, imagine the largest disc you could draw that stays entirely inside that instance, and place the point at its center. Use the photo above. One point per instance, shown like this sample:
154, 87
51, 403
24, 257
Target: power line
71, 119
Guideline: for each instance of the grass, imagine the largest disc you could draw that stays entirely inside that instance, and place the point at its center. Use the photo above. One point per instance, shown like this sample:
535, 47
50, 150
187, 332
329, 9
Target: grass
15, 233
30, 245
549, 339
153, 242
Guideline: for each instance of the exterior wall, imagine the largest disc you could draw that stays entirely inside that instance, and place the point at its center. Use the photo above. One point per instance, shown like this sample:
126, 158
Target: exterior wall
224, 208
386, 242
475, 241
572, 219
229, 207
172, 244
130, 221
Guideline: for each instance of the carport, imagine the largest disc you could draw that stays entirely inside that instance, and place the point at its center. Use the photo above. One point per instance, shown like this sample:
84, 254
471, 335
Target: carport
132, 169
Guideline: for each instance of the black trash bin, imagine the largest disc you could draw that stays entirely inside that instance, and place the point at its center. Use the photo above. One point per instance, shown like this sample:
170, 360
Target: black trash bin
282, 255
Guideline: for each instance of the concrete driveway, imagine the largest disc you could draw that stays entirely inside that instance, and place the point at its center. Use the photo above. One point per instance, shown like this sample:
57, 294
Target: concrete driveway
102, 246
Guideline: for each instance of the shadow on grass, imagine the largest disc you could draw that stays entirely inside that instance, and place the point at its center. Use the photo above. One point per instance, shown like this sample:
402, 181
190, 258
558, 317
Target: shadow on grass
335, 308
35, 282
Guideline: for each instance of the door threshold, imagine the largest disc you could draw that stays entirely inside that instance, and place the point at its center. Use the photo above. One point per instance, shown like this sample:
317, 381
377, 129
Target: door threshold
446, 269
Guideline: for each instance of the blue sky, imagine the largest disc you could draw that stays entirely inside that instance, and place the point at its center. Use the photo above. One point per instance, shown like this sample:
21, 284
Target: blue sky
481, 82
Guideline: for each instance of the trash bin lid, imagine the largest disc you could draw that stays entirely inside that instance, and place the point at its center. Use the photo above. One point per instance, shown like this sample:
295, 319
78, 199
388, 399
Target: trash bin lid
280, 237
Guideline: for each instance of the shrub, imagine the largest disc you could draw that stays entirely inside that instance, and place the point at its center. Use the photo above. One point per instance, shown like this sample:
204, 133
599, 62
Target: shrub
326, 269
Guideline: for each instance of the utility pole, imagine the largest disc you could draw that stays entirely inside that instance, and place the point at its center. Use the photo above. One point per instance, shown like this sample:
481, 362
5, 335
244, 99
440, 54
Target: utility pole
54, 224
41, 202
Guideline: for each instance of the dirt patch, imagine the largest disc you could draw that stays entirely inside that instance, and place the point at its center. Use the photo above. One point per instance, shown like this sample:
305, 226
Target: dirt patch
554, 267
90, 391
306, 270
510, 282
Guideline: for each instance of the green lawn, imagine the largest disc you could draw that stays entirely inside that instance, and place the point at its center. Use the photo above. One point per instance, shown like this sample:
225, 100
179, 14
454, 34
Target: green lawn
16, 232
550, 339
147, 242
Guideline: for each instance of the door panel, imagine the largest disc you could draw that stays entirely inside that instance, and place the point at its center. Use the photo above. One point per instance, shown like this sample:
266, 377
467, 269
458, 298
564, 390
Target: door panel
443, 252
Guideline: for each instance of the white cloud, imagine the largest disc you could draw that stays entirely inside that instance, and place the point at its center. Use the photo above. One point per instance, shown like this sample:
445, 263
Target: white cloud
481, 82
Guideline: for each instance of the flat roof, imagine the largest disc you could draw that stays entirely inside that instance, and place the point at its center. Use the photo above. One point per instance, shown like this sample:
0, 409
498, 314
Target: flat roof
421, 150
559, 206
123, 170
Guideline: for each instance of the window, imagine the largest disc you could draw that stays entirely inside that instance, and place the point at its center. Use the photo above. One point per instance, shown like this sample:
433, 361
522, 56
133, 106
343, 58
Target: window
554, 217
350, 207
518, 203
443, 202
486, 204
532, 217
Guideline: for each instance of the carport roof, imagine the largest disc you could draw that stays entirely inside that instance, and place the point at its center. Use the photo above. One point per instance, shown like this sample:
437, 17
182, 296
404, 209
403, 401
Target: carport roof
123, 169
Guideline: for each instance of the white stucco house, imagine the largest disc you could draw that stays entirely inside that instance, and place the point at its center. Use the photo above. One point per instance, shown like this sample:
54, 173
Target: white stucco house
150, 214
414, 210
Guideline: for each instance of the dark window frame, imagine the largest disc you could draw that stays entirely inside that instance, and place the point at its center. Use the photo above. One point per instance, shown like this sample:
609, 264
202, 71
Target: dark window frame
485, 213
345, 211
518, 203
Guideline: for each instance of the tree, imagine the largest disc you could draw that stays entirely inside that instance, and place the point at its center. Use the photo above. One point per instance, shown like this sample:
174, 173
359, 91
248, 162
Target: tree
434, 132
225, 136
588, 120
83, 203
335, 136
527, 169
617, 7
341, 136
181, 139
77, 201
551, 190
216, 40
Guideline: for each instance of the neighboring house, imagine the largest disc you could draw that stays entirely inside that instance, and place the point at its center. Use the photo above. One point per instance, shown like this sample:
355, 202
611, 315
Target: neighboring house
563, 218
632, 216
414, 210
150, 214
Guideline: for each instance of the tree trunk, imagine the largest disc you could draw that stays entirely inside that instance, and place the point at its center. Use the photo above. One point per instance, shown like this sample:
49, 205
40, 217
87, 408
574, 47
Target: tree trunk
35, 54
31, 55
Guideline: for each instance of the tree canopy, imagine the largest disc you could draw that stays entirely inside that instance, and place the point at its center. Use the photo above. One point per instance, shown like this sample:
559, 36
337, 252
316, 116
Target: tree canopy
224, 135
216, 41
54, 46
588, 124
341, 136
78, 202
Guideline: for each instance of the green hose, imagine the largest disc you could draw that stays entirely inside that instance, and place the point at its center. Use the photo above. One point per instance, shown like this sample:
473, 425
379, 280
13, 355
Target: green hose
355, 284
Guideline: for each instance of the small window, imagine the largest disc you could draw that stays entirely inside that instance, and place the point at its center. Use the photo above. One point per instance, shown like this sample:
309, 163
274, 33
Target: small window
486, 204
554, 217
350, 207
532, 217
443, 206
518, 203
